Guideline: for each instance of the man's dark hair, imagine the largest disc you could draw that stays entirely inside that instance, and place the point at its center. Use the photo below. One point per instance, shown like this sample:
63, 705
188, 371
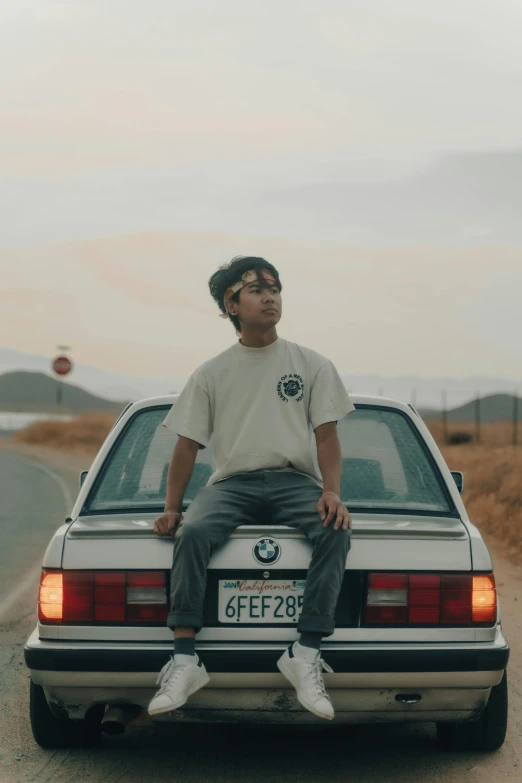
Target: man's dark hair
231, 273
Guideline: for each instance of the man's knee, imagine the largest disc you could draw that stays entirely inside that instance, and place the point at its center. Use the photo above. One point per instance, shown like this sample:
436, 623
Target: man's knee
335, 539
192, 534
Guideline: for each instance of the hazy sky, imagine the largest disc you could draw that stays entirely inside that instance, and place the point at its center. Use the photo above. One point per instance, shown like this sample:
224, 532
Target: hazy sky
371, 150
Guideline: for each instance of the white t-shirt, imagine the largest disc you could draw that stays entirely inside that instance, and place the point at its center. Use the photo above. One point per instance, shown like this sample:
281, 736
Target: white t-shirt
260, 406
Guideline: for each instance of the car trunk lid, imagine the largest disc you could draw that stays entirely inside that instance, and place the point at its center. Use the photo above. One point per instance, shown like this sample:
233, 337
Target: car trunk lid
380, 542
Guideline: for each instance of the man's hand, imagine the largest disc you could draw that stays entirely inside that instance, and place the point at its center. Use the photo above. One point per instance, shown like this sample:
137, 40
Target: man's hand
331, 508
168, 523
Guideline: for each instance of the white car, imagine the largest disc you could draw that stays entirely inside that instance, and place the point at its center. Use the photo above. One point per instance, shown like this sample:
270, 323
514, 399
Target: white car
418, 634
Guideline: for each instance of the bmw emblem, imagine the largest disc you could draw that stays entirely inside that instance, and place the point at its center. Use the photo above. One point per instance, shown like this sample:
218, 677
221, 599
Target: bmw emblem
266, 551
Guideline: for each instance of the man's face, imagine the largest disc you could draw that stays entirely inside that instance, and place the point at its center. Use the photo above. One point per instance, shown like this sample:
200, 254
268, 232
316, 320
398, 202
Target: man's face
259, 305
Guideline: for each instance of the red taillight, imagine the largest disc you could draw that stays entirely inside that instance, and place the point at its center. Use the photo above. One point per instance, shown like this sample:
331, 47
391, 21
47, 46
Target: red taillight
388, 581
110, 596
109, 587
387, 600
455, 599
78, 596
143, 613
387, 614
75, 596
146, 579
431, 599
146, 599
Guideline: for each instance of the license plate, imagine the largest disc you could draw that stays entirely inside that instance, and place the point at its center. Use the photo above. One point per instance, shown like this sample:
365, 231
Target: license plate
260, 600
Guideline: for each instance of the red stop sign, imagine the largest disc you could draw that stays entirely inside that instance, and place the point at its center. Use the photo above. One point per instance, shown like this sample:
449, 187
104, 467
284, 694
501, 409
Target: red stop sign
62, 365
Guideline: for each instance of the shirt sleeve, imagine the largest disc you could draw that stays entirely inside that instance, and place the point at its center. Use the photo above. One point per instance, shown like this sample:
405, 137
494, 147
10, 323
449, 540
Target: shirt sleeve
329, 400
191, 415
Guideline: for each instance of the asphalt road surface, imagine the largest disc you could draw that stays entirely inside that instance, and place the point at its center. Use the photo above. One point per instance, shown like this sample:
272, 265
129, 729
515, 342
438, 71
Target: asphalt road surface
35, 497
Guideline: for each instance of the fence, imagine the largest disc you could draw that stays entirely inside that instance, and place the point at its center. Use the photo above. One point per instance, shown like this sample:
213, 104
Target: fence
463, 415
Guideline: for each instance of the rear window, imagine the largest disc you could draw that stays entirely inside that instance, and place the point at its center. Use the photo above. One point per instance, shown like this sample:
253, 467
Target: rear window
385, 465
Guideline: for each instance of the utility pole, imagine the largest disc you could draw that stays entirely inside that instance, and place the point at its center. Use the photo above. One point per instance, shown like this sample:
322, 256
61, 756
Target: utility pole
477, 416
515, 418
445, 416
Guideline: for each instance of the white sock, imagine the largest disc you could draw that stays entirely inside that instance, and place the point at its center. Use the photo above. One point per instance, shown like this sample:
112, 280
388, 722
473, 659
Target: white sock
308, 653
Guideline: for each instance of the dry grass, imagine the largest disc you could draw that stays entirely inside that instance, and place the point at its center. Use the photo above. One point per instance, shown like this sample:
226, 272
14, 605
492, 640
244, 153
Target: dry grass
492, 483
499, 434
492, 468
83, 434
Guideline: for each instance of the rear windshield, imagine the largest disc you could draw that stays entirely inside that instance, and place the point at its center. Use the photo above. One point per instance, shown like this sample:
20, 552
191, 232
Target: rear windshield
385, 466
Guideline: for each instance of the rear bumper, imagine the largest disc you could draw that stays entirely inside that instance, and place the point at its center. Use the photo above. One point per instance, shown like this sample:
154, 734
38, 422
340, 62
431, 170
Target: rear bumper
239, 658
452, 682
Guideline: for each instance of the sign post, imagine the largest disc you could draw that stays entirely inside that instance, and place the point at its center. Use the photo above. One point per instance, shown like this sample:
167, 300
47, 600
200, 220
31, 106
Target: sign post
61, 365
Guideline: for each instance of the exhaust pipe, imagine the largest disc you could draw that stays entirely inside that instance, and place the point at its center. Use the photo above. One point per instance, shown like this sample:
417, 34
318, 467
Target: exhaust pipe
118, 716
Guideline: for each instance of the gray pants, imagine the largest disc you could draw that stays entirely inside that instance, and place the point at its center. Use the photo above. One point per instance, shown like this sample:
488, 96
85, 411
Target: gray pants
273, 497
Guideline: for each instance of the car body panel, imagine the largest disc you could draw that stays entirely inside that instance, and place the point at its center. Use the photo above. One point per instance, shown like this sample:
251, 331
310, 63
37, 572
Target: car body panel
275, 634
392, 661
53, 557
376, 542
480, 557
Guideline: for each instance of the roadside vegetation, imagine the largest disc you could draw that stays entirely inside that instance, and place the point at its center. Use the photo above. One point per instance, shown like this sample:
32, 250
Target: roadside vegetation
492, 468
492, 482
84, 434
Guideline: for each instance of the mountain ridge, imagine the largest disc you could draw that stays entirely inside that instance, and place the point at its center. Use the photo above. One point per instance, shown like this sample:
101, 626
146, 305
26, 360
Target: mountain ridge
35, 392
425, 392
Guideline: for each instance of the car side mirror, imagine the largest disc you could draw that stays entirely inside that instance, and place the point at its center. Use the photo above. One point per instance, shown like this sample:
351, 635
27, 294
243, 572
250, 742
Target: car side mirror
458, 477
83, 476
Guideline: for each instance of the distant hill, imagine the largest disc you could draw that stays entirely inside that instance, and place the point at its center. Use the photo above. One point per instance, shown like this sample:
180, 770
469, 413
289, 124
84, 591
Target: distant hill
35, 392
103, 383
118, 386
494, 407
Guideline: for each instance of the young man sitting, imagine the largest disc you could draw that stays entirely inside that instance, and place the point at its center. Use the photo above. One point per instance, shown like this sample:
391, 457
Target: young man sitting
259, 401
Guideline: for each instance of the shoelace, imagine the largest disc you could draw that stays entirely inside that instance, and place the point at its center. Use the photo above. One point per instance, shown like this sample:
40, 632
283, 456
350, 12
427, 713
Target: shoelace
316, 673
169, 673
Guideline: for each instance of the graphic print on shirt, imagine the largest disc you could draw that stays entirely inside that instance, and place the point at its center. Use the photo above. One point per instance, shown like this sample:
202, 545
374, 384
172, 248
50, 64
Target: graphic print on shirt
291, 387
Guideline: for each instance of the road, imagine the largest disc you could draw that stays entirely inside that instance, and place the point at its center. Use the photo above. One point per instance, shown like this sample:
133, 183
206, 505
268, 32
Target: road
35, 497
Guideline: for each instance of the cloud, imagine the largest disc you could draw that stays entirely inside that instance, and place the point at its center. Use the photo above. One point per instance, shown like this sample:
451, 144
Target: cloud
137, 285
140, 303
194, 83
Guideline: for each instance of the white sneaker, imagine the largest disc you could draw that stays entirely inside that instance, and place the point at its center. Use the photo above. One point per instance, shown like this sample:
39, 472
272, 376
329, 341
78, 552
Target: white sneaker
307, 678
181, 676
